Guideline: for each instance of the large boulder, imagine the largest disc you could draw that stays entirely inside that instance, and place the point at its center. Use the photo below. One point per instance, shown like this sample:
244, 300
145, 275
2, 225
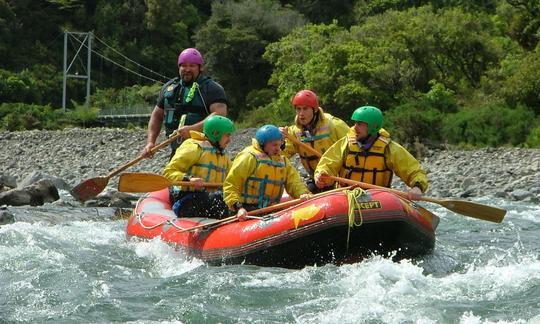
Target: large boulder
35, 176
39, 193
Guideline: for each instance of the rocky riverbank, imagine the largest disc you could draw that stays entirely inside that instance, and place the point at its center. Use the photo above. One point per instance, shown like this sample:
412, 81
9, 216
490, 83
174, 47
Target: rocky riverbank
74, 155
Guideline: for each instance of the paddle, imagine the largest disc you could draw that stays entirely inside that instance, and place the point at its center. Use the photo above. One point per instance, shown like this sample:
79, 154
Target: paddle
467, 208
266, 210
463, 207
304, 145
92, 187
147, 182
290, 203
224, 220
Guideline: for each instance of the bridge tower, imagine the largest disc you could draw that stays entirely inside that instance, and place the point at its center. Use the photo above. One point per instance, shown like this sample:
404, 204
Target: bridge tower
85, 42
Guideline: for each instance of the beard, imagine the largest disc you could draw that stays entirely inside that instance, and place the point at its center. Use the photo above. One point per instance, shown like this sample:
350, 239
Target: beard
187, 77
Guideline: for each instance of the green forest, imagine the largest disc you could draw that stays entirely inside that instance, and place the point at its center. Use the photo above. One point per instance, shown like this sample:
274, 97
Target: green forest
458, 72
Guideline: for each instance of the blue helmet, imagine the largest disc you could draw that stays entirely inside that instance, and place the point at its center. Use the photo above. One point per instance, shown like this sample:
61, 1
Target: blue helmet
267, 133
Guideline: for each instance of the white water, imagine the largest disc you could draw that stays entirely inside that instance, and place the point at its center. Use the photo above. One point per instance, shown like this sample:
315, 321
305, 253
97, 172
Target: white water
85, 271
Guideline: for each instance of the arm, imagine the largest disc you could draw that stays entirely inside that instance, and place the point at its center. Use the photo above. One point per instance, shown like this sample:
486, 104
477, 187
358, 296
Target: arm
330, 163
186, 155
294, 184
408, 169
218, 108
290, 148
154, 127
242, 167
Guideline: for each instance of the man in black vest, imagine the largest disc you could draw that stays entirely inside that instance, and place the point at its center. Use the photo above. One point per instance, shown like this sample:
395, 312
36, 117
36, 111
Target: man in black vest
192, 94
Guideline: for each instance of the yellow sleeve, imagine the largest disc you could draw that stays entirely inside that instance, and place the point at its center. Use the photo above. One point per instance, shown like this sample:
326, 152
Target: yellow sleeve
229, 164
339, 129
332, 160
405, 166
242, 167
294, 184
186, 155
290, 147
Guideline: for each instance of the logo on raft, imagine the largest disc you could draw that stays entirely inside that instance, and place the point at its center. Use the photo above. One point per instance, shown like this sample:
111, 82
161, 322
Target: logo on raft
374, 204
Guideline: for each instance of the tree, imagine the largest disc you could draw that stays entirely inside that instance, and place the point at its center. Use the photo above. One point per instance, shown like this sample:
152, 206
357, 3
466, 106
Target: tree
517, 80
234, 39
8, 27
526, 23
325, 11
387, 60
291, 57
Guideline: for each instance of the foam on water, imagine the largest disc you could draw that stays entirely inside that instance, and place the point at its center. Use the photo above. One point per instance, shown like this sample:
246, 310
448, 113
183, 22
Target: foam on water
166, 261
41, 267
381, 290
480, 272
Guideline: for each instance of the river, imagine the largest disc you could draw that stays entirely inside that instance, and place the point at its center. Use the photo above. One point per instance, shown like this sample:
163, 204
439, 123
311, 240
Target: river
60, 269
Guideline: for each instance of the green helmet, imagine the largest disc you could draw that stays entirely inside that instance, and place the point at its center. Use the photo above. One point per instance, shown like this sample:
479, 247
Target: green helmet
216, 126
370, 115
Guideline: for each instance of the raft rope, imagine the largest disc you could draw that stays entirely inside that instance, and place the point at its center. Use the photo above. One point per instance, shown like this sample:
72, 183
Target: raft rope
352, 196
141, 215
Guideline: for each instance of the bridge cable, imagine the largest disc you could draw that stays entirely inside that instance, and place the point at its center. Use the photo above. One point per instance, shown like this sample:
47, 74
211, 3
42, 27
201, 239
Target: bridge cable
118, 64
127, 58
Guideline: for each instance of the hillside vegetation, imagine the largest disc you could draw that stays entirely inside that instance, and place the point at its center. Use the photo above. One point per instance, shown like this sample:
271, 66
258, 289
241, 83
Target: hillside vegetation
448, 71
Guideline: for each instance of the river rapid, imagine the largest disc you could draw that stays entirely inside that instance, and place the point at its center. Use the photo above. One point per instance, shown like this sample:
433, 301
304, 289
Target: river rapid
84, 270
66, 263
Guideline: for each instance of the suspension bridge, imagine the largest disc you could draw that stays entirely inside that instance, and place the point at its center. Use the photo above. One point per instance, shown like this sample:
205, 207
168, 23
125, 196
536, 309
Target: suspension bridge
90, 43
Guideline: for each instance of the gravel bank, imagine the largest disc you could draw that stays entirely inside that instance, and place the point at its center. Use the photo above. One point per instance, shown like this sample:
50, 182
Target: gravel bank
75, 155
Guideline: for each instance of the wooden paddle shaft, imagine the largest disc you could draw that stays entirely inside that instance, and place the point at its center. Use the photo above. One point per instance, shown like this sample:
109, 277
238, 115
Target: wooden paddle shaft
290, 203
191, 184
152, 150
463, 207
304, 145
141, 157
265, 210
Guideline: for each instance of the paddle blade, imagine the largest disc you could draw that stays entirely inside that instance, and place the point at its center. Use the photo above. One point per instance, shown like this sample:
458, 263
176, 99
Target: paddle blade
475, 210
89, 188
142, 182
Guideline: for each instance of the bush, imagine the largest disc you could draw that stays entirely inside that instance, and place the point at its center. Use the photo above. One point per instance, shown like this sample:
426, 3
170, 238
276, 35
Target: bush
413, 120
259, 97
441, 97
82, 116
19, 116
279, 115
17, 87
135, 99
493, 125
533, 140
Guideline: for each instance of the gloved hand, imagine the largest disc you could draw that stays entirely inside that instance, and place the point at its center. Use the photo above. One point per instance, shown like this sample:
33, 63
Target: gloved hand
284, 131
196, 182
242, 214
414, 193
319, 180
304, 197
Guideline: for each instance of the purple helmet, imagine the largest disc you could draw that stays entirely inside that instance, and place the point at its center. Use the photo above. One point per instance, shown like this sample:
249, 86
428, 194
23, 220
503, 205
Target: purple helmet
190, 55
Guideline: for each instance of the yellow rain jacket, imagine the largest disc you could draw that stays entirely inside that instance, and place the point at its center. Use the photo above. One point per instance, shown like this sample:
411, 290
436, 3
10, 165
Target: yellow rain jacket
329, 129
197, 158
347, 159
258, 179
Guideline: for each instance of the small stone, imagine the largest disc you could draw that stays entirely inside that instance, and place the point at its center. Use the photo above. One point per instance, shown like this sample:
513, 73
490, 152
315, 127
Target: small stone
520, 194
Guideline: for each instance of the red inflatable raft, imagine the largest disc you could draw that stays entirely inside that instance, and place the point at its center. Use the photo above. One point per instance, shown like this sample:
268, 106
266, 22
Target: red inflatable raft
314, 232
